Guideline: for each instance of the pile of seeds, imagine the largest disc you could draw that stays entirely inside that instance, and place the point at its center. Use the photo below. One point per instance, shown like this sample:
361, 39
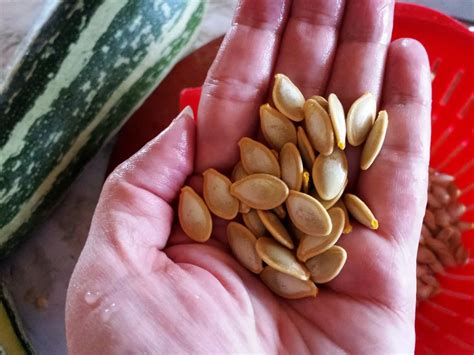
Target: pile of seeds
287, 197
440, 242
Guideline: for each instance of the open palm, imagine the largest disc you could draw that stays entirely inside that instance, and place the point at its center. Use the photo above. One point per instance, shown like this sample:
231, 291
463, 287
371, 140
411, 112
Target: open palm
140, 285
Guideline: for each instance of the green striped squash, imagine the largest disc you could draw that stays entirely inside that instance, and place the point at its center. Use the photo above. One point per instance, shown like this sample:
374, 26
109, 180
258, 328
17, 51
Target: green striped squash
84, 72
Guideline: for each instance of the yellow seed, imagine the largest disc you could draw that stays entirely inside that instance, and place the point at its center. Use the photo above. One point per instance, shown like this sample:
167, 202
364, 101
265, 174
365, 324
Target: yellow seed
276, 228
305, 147
260, 191
310, 246
360, 211
374, 141
291, 166
360, 118
347, 223
326, 266
307, 214
318, 127
288, 98
336, 112
216, 191
257, 158
276, 128
306, 179
253, 222
287, 286
194, 216
321, 101
330, 174
281, 258
242, 243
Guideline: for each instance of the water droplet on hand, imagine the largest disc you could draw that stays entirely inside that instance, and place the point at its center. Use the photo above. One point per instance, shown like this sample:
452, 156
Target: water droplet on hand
107, 313
92, 297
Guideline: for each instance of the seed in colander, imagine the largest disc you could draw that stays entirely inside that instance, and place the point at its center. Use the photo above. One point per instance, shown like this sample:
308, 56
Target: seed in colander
276, 228
360, 118
330, 174
242, 243
310, 246
360, 211
281, 258
194, 216
260, 191
287, 98
307, 214
257, 158
305, 147
326, 266
318, 127
291, 166
276, 128
287, 286
253, 222
216, 191
321, 101
336, 113
374, 141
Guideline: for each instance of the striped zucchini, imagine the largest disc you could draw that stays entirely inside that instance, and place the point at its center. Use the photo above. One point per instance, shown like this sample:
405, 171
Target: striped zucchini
85, 70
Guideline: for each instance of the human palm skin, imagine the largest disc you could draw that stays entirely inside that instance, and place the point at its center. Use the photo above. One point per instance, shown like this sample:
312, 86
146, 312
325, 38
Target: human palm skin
156, 291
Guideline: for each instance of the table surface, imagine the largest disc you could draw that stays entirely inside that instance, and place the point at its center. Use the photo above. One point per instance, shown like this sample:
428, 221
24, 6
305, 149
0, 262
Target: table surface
44, 263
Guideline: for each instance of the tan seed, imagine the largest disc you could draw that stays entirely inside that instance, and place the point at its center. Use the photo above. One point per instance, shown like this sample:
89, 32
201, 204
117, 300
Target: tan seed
347, 222
321, 101
216, 191
360, 211
242, 243
280, 258
260, 191
336, 112
311, 246
307, 214
287, 286
295, 232
318, 127
243, 208
374, 141
276, 128
306, 178
291, 166
305, 147
257, 158
280, 211
360, 118
253, 222
326, 266
194, 216
288, 98
330, 174
278, 231
327, 204
238, 172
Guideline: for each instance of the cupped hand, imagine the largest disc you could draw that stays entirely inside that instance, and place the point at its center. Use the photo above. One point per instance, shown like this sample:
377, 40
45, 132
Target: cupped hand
141, 286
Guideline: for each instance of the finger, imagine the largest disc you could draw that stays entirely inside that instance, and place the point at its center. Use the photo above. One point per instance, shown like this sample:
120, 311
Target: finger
134, 209
308, 45
237, 82
361, 52
395, 186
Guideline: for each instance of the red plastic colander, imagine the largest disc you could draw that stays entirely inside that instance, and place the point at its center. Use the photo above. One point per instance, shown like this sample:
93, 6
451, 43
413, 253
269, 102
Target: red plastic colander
445, 323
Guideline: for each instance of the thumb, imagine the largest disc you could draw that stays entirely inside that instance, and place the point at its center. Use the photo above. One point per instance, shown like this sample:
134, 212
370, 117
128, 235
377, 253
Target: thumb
134, 205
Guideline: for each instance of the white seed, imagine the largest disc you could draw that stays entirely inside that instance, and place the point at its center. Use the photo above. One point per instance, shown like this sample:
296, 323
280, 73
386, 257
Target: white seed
281, 258
310, 246
253, 222
305, 147
260, 191
291, 166
374, 141
242, 243
287, 98
326, 266
216, 191
336, 112
276, 228
287, 286
276, 128
194, 216
360, 211
318, 127
307, 214
327, 204
330, 174
321, 101
257, 158
360, 118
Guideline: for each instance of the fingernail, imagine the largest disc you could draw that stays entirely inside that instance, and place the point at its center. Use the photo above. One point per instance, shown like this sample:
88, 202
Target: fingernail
187, 111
